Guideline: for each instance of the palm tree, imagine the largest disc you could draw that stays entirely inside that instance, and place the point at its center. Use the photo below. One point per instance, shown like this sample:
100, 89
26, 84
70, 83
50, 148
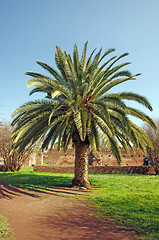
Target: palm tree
80, 108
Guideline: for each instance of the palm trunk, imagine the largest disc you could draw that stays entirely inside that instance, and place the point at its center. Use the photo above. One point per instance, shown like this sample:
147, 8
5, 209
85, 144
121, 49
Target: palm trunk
81, 165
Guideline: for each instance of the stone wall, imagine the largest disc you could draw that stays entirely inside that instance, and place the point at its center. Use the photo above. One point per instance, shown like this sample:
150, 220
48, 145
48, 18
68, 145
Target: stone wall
105, 158
38, 168
99, 169
132, 159
59, 158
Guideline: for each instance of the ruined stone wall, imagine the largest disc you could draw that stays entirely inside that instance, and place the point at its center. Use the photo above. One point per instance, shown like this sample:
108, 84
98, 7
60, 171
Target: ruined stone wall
100, 169
132, 159
105, 158
59, 158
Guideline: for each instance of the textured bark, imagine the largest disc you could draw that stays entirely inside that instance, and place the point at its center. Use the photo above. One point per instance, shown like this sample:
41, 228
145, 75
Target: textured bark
81, 165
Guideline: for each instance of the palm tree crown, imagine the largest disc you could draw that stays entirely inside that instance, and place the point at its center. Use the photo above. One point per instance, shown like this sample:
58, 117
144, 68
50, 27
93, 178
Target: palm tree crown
79, 106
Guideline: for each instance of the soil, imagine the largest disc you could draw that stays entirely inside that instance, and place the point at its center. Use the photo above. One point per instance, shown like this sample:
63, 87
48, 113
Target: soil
55, 216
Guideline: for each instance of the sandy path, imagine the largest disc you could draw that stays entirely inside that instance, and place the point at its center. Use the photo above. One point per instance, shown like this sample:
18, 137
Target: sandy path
54, 216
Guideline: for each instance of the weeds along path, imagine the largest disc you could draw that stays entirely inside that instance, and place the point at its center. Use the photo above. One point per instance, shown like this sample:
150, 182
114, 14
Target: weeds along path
54, 216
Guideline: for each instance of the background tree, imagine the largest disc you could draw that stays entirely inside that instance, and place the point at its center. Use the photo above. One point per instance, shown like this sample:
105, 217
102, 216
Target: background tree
80, 108
153, 153
16, 160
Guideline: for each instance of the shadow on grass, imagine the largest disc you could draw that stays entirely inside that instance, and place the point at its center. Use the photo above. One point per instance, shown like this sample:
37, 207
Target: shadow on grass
39, 182
8, 192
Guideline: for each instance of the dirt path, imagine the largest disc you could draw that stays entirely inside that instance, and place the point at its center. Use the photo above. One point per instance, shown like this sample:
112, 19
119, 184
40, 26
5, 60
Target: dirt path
54, 216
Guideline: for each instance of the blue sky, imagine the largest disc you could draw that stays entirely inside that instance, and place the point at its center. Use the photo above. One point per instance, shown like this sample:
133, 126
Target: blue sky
30, 31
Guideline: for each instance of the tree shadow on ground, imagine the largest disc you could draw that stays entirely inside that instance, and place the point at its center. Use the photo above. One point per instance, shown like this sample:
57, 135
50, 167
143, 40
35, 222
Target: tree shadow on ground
80, 224
68, 190
8, 192
14, 184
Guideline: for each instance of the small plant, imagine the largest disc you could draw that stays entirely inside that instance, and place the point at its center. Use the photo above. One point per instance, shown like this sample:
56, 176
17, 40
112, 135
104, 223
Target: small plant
5, 231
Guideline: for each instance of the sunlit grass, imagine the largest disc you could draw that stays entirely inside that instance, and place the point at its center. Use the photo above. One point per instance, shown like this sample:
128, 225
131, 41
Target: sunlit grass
132, 200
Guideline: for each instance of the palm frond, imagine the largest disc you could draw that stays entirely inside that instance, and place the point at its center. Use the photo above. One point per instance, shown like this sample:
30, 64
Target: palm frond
76, 59
51, 70
138, 114
106, 53
136, 97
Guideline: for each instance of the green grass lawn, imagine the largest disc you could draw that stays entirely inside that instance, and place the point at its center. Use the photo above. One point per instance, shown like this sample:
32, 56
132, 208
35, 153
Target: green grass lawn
132, 200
